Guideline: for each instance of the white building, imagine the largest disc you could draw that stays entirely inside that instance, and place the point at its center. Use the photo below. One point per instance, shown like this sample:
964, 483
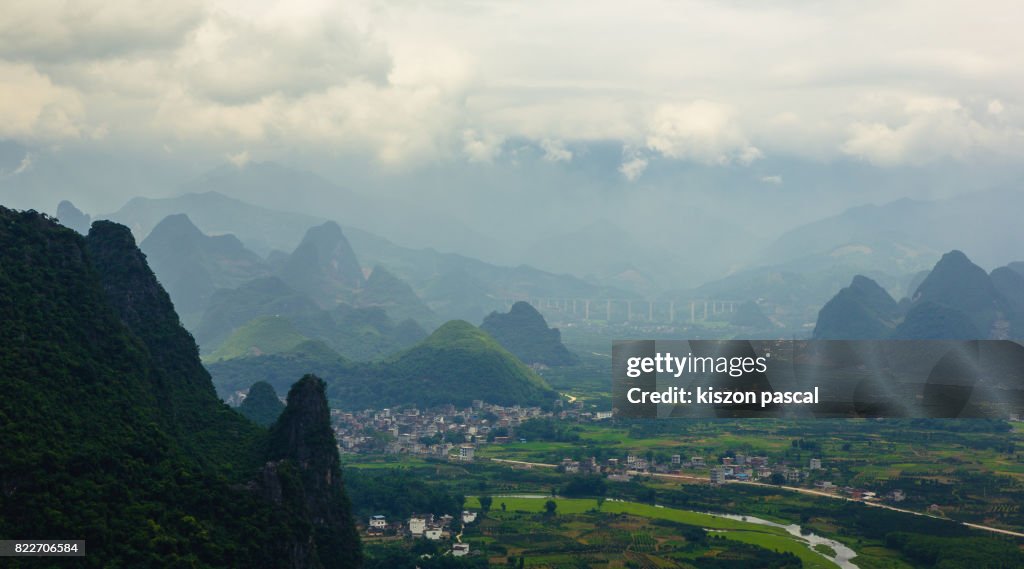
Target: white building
466, 453
432, 534
460, 549
378, 522
468, 517
815, 464
417, 525
718, 475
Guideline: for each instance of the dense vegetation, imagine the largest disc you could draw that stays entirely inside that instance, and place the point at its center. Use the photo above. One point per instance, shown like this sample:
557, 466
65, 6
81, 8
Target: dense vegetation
525, 333
261, 405
456, 364
110, 430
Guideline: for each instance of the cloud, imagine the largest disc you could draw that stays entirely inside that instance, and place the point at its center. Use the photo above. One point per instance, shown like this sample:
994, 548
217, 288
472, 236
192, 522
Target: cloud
633, 168
404, 82
480, 148
701, 131
555, 151
926, 129
239, 159
33, 108
60, 30
773, 180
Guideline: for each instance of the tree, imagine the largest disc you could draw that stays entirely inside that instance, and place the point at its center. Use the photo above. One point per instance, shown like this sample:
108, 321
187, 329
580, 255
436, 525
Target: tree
550, 506
503, 506
485, 504
778, 479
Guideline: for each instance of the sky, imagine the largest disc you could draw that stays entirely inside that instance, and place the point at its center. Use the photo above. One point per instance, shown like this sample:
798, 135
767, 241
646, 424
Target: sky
627, 104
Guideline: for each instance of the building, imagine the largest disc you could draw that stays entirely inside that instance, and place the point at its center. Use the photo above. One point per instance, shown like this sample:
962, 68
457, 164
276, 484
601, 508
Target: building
697, 461
378, 522
417, 525
676, 460
433, 534
815, 464
460, 549
468, 517
466, 453
717, 476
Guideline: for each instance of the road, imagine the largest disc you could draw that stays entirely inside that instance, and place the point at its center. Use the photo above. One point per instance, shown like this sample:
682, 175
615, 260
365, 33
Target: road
809, 491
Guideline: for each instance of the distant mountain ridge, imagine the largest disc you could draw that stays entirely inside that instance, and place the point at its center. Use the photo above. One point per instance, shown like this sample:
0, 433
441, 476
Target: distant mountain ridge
524, 332
956, 300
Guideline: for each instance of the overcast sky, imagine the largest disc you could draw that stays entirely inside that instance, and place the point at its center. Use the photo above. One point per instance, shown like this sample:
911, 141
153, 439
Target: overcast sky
374, 93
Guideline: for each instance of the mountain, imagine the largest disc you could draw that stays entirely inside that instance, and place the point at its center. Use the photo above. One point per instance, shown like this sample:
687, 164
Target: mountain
229, 309
192, 265
383, 289
324, 266
525, 333
70, 216
159, 471
932, 321
268, 315
959, 284
861, 311
262, 335
749, 315
262, 230
456, 364
983, 220
956, 300
261, 405
302, 440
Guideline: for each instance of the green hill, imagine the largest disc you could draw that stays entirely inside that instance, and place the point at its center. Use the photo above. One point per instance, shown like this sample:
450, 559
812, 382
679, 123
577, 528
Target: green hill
138, 456
261, 405
456, 364
524, 332
263, 335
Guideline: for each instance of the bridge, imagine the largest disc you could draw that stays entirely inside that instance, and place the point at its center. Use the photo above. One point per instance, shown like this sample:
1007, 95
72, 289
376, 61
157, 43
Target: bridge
632, 310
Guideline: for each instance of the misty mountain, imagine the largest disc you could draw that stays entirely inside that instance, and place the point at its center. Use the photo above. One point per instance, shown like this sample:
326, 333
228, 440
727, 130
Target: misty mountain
956, 300
861, 311
749, 315
384, 290
192, 265
324, 266
214, 213
525, 333
983, 220
70, 216
266, 315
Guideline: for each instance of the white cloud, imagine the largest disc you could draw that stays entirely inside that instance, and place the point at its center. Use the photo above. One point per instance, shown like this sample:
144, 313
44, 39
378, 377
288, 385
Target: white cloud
701, 131
404, 82
773, 180
927, 129
555, 151
633, 168
480, 148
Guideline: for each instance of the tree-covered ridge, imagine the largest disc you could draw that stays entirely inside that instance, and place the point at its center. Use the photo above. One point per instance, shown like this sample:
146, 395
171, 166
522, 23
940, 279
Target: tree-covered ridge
109, 427
456, 364
396, 297
525, 333
261, 405
957, 300
324, 266
234, 322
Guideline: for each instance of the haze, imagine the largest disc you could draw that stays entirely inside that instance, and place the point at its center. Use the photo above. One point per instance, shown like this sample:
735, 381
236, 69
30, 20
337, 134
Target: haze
687, 134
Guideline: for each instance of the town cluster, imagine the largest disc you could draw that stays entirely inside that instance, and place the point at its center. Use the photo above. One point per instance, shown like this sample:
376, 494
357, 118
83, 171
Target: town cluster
438, 432
422, 526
